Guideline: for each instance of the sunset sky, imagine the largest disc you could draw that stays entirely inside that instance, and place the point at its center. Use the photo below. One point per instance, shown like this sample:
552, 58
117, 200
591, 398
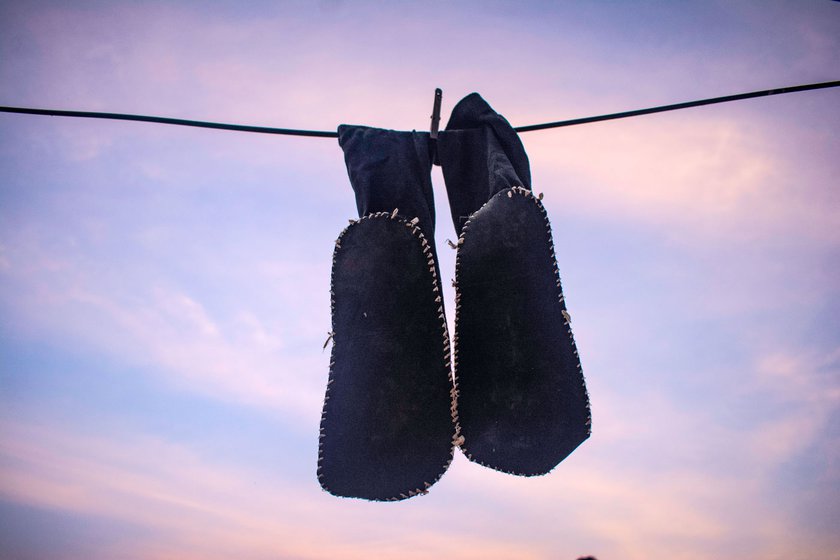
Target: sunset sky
164, 291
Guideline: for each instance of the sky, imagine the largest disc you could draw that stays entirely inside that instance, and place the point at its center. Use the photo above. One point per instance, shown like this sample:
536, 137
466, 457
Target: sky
164, 291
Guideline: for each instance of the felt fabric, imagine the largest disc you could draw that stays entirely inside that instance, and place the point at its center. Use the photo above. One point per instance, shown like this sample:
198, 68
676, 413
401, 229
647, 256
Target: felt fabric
387, 425
480, 154
522, 403
390, 169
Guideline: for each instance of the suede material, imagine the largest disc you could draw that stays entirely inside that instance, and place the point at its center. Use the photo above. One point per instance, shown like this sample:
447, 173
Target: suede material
523, 405
387, 425
480, 154
390, 169
387, 428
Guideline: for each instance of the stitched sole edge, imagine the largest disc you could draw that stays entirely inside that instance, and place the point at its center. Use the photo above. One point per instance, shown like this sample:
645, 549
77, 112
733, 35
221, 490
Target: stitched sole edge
417, 233
537, 200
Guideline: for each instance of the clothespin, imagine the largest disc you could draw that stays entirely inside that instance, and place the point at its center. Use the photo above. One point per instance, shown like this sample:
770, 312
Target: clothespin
433, 130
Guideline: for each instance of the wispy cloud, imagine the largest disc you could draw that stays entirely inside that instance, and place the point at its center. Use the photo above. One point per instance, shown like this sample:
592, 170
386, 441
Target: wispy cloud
201, 510
696, 178
243, 356
697, 250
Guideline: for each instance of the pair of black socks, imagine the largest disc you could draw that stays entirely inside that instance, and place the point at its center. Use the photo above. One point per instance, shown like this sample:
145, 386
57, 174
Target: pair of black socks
393, 412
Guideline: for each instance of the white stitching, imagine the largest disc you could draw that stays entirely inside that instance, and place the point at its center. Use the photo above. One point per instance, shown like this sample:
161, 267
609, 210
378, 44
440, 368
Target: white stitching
447, 355
560, 298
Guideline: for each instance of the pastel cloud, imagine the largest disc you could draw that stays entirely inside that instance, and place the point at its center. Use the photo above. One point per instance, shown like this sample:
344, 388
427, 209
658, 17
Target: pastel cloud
603, 502
247, 359
694, 176
201, 510
697, 249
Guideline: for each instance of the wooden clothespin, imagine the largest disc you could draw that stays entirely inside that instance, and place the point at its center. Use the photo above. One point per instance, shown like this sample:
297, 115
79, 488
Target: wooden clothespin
433, 130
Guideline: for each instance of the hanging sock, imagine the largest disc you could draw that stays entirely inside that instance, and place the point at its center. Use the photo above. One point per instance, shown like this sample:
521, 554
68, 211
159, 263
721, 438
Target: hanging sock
387, 425
521, 398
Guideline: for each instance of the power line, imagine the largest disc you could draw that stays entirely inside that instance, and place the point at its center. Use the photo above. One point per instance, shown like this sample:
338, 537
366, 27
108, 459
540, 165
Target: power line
331, 134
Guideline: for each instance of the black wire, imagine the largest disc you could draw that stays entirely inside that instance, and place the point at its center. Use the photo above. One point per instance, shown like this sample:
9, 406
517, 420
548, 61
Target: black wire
676, 106
167, 120
330, 134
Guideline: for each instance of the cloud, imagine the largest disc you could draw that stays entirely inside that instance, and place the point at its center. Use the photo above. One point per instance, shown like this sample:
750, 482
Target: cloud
157, 485
200, 510
665, 480
714, 404
239, 354
694, 177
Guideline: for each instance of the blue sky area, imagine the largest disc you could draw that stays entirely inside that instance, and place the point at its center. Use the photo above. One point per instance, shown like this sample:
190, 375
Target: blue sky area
164, 291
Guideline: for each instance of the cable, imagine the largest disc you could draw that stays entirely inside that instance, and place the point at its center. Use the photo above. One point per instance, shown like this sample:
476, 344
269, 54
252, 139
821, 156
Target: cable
676, 106
167, 120
330, 134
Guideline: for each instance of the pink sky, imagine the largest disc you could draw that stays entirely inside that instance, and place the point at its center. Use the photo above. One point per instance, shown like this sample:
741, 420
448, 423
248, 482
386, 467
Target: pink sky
164, 292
